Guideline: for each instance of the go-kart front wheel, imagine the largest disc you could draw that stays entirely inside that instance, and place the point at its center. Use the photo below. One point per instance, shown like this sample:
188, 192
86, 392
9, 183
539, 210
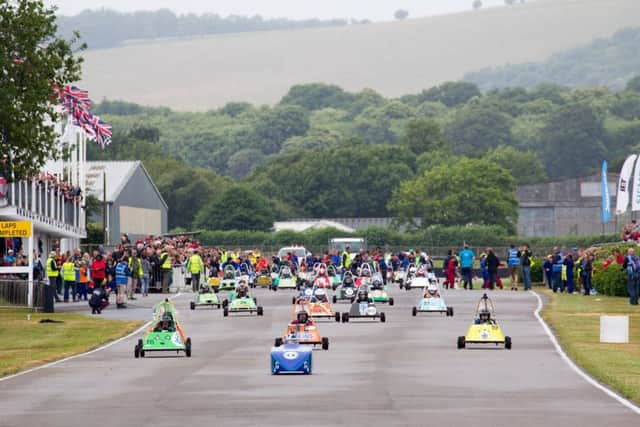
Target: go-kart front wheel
278, 342
462, 342
335, 299
390, 301
225, 303
325, 343
293, 300
225, 311
337, 316
260, 311
414, 311
507, 343
450, 311
383, 318
187, 347
192, 305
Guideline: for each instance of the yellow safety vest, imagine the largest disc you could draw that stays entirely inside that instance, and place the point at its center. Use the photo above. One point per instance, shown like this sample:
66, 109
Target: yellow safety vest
195, 264
69, 271
131, 266
166, 265
52, 272
346, 256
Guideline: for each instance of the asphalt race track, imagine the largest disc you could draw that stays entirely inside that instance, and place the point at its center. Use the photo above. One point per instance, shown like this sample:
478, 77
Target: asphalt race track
406, 371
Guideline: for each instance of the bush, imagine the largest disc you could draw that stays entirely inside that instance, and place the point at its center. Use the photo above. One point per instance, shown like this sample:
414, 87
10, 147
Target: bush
536, 270
612, 281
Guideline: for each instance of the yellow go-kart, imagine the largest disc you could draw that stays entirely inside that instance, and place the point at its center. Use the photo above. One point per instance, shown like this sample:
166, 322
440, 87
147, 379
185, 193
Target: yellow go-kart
485, 329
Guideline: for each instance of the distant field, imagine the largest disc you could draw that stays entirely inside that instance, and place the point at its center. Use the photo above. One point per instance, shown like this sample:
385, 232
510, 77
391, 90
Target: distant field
392, 58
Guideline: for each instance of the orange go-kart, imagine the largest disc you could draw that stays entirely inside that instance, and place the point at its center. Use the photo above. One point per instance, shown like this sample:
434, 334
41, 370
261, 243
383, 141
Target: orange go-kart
303, 327
319, 306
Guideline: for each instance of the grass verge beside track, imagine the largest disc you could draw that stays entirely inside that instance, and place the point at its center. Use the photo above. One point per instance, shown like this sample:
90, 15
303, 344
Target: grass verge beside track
575, 319
28, 343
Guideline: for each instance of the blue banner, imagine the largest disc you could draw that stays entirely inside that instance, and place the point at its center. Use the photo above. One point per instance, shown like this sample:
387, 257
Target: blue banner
606, 197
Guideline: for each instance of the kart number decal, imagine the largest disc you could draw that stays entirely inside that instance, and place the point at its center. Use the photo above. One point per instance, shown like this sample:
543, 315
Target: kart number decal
371, 311
484, 334
307, 292
349, 291
306, 335
290, 355
175, 338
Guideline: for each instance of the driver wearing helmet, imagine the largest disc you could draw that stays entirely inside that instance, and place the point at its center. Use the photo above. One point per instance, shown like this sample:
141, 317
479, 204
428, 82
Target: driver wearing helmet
377, 284
205, 289
348, 281
483, 317
302, 318
363, 296
432, 292
243, 289
165, 325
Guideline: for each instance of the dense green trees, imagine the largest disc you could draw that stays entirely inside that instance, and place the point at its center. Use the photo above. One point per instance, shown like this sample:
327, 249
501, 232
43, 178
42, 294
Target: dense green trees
352, 179
573, 141
326, 152
467, 191
236, 208
32, 61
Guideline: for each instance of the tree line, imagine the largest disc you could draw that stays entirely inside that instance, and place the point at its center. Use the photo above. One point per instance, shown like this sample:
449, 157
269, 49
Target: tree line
449, 155
105, 28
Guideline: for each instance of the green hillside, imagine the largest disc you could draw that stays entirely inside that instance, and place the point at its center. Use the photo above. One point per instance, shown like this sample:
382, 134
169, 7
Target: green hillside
604, 62
391, 58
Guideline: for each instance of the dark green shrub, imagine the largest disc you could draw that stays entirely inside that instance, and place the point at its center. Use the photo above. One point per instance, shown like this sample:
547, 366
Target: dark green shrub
612, 281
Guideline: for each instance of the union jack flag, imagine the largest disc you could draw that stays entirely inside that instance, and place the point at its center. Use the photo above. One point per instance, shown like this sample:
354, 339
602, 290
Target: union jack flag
76, 103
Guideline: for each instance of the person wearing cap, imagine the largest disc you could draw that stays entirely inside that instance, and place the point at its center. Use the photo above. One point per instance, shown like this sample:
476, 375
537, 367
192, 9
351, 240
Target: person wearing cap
195, 266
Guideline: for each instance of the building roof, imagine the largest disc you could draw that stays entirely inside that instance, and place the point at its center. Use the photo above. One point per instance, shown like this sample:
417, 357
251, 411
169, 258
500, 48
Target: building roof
118, 173
309, 225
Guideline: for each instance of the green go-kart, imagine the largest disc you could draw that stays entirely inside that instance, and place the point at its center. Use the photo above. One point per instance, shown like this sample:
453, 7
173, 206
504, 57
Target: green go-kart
229, 279
241, 301
206, 297
164, 334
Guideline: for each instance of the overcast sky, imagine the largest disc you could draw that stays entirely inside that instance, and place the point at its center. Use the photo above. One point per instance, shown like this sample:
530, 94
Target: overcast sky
375, 10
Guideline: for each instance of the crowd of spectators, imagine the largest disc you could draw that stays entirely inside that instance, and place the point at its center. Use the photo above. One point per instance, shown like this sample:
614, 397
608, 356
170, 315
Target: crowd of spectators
52, 183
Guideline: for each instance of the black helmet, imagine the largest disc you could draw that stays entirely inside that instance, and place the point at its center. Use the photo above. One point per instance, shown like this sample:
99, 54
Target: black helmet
484, 315
302, 317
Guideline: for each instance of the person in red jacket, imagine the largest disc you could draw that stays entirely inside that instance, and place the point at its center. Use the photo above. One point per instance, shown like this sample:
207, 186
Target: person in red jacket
98, 271
451, 263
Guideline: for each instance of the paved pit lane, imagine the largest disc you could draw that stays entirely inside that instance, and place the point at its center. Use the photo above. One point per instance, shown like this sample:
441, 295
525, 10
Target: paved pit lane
406, 371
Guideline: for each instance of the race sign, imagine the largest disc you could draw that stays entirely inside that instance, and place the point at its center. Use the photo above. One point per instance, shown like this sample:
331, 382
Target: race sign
15, 229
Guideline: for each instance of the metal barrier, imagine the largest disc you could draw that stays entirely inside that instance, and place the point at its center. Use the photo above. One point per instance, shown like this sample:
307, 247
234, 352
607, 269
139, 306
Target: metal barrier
14, 293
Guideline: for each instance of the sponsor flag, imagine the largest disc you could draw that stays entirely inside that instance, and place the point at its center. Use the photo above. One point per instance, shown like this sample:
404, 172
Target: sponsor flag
604, 192
624, 185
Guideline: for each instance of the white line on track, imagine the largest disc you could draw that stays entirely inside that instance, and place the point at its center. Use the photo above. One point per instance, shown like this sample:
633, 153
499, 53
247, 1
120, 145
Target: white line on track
575, 367
86, 353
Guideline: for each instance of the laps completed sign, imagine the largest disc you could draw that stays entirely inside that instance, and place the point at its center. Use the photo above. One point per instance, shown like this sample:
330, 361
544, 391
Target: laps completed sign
15, 229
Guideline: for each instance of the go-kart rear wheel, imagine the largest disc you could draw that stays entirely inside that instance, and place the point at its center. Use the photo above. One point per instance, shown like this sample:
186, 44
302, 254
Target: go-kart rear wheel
390, 301
293, 300
400, 285
278, 342
450, 311
383, 318
192, 305
187, 347
414, 311
337, 317
345, 317
325, 343
136, 351
462, 342
255, 300
225, 311
507, 343
260, 311
334, 299
225, 303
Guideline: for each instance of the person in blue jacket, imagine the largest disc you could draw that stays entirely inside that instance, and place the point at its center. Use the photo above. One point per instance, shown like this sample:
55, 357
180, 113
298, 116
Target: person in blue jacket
569, 264
122, 273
